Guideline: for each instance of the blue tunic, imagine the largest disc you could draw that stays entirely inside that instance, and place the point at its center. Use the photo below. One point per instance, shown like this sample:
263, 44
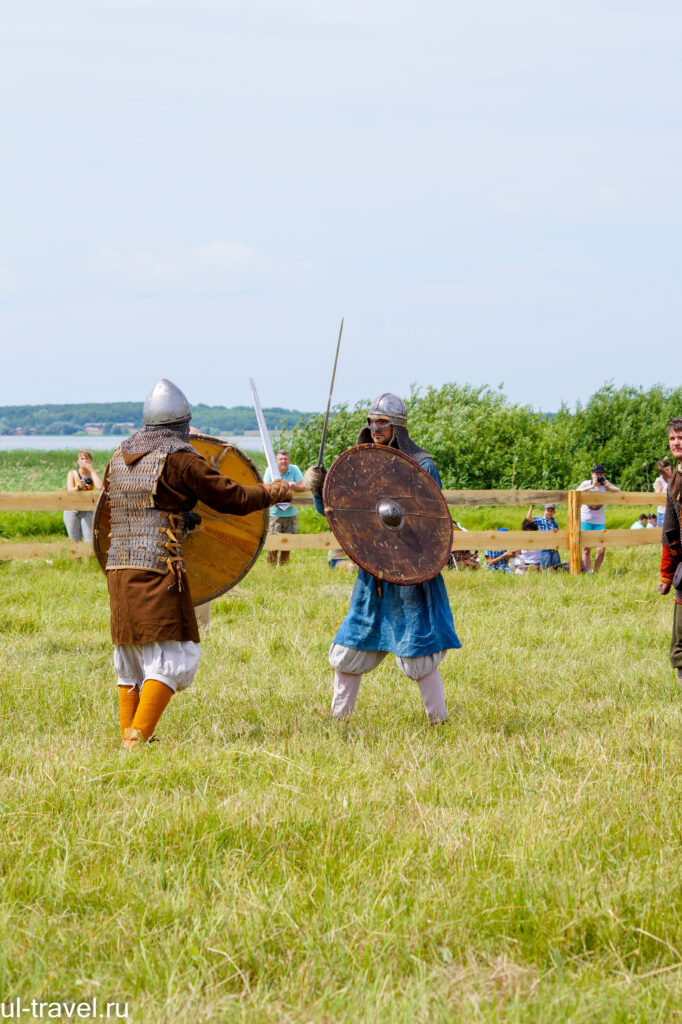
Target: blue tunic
409, 621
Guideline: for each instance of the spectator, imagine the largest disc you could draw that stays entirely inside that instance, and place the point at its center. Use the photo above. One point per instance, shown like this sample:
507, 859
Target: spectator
593, 517
671, 546
664, 466
83, 478
549, 557
530, 559
499, 559
652, 521
284, 520
640, 522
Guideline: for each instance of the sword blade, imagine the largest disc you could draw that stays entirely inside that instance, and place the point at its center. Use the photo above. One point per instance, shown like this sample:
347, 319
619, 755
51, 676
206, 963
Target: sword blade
267, 443
320, 460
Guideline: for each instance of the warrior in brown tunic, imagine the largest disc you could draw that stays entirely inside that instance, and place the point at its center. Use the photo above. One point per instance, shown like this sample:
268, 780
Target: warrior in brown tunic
152, 480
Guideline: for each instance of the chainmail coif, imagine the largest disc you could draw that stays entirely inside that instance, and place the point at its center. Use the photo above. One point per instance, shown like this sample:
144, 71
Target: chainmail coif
167, 438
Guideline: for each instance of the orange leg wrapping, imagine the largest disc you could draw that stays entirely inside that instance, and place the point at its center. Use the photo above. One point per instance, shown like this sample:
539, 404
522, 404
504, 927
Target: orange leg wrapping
128, 699
153, 702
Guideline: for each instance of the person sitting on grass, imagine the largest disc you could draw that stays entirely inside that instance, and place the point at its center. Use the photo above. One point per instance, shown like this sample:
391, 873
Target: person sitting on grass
499, 560
530, 559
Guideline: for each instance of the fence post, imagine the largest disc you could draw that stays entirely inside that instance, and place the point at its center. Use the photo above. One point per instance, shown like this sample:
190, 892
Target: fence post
574, 550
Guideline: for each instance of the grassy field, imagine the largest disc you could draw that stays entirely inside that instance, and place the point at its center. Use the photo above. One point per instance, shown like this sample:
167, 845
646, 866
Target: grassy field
263, 863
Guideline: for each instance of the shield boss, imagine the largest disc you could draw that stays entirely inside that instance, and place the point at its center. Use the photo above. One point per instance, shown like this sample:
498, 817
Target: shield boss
223, 547
388, 514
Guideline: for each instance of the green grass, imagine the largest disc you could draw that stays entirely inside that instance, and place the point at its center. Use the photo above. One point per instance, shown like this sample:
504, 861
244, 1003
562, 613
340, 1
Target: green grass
262, 863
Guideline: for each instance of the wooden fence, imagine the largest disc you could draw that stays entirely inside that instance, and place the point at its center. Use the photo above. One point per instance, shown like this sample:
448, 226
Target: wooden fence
473, 540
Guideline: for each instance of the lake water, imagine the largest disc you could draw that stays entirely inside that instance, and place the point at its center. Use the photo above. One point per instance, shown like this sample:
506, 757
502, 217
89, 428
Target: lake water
102, 442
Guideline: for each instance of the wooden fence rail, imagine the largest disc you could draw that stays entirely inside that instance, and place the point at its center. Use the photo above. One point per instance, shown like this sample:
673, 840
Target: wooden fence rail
473, 540
85, 501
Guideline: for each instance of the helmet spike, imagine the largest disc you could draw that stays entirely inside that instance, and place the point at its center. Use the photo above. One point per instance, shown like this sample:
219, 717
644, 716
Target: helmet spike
165, 404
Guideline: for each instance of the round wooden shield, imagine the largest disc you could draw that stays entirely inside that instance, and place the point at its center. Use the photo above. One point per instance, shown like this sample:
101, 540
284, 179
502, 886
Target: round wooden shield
388, 514
222, 548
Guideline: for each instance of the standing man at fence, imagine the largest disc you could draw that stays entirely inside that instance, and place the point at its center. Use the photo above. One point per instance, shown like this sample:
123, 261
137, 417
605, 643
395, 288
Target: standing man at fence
549, 557
671, 545
593, 517
284, 520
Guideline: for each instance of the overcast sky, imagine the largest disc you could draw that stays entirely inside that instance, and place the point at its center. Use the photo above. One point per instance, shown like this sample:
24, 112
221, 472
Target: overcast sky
487, 191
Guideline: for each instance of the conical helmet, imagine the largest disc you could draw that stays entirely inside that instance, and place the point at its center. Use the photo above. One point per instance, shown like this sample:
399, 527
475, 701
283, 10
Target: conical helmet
165, 404
391, 407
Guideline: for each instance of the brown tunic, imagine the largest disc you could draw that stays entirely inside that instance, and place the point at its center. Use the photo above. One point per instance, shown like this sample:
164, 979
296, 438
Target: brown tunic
147, 606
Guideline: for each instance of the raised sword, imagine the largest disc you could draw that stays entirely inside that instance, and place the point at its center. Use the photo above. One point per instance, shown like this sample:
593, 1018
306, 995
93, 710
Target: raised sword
320, 460
267, 443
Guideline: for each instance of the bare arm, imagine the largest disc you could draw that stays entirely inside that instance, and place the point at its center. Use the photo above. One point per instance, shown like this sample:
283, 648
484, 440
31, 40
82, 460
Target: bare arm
71, 484
504, 557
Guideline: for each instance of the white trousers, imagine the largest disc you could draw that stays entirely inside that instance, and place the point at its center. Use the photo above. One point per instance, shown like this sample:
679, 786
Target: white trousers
424, 671
173, 662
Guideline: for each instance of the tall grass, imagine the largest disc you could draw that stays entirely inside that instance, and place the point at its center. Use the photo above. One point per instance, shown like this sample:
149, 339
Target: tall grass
262, 863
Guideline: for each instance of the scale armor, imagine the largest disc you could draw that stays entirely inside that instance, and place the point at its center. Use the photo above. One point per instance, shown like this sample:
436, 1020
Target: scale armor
142, 536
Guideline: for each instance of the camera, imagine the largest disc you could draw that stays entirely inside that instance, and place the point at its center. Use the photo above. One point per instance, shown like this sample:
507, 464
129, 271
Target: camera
601, 478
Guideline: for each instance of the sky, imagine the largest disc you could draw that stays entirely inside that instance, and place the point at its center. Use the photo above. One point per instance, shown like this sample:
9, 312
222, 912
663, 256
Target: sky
488, 193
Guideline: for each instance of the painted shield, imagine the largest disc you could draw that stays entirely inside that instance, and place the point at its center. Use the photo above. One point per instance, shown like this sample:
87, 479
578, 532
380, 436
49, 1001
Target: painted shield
388, 514
221, 549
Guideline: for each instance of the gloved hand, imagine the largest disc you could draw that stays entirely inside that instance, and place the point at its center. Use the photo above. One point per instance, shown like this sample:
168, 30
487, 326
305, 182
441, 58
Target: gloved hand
279, 491
313, 478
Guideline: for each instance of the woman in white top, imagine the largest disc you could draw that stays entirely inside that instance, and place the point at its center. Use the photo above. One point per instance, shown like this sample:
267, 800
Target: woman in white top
83, 478
661, 482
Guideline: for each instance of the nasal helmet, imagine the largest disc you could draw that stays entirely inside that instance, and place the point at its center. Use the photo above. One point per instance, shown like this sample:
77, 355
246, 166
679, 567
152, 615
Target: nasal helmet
164, 405
389, 407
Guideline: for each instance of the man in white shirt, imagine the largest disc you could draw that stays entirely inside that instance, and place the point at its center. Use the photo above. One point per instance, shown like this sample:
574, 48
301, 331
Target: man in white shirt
593, 517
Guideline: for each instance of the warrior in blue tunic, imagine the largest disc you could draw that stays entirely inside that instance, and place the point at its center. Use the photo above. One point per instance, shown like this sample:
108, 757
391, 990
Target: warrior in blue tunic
412, 622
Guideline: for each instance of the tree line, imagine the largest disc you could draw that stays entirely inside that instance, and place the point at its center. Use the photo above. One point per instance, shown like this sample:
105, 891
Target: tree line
479, 439
72, 418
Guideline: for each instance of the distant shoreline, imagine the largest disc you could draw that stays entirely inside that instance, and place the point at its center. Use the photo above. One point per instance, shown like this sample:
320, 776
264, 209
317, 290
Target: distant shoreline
100, 442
